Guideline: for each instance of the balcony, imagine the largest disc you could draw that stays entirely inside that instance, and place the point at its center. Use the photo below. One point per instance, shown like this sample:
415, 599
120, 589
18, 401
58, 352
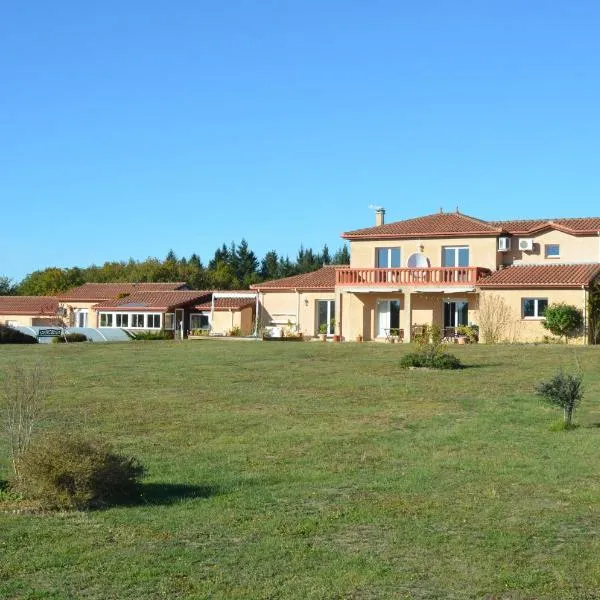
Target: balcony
431, 276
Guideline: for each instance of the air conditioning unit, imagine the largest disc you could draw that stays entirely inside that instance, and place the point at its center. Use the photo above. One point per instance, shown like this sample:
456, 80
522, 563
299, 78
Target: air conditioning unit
526, 244
503, 244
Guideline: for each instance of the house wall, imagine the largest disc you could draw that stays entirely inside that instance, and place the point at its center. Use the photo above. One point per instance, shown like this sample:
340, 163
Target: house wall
71, 306
522, 329
572, 249
297, 307
482, 250
25, 320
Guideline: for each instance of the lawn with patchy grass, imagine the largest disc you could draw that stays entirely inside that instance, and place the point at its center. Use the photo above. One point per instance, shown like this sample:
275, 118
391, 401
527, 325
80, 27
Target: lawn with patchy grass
318, 471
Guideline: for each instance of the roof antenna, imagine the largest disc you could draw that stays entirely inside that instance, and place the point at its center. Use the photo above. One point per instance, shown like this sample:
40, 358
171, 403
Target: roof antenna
457, 211
441, 211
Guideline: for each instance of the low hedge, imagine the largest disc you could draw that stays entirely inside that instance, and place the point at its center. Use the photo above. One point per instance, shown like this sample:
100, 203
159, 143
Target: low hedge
430, 357
8, 335
70, 338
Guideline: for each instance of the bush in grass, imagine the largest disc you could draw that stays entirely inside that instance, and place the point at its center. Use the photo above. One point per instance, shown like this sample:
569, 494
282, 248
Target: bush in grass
564, 390
563, 320
8, 335
70, 338
72, 471
430, 356
152, 335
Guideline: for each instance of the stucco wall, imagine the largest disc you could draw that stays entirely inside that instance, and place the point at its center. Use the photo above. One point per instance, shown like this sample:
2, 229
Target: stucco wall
522, 329
16, 319
572, 249
482, 250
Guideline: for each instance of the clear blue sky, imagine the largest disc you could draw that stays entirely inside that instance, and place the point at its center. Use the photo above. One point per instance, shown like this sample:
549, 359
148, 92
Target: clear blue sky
129, 128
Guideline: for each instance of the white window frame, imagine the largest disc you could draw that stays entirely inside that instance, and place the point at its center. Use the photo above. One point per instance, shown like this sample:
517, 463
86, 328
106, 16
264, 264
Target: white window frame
330, 315
136, 316
120, 316
200, 314
153, 315
456, 250
389, 256
536, 316
108, 316
547, 248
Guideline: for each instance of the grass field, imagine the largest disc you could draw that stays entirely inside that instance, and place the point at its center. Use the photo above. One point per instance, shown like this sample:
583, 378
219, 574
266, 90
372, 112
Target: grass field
318, 471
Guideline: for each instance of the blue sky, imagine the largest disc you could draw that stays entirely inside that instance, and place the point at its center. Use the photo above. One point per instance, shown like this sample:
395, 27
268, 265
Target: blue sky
129, 128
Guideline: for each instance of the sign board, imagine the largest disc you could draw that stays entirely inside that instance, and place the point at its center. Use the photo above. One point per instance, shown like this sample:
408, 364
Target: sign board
50, 332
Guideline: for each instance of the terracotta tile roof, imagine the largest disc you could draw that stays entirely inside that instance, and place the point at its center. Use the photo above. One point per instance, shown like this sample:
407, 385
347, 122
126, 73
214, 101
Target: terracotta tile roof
226, 304
94, 292
542, 276
437, 225
575, 226
28, 305
153, 301
323, 279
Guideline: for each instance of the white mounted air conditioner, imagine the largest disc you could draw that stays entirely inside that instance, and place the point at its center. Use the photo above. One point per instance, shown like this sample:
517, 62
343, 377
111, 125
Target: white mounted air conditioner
526, 244
503, 244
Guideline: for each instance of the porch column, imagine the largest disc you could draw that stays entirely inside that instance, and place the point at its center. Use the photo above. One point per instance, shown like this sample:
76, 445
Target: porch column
408, 317
338, 313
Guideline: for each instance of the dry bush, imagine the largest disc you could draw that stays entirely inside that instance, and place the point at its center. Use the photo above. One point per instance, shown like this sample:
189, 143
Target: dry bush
495, 318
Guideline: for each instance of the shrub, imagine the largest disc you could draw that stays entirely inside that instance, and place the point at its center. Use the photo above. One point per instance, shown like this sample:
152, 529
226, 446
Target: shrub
235, 331
71, 471
8, 335
430, 356
563, 320
70, 338
152, 335
564, 390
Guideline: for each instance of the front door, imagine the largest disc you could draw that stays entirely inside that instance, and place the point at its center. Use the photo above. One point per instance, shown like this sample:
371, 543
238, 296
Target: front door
387, 317
456, 313
179, 324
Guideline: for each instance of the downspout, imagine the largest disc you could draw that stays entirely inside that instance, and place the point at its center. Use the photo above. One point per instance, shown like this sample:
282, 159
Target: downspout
586, 337
297, 309
212, 311
256, 316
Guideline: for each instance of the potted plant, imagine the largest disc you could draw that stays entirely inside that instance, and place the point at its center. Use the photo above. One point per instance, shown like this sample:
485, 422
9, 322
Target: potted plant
323, 332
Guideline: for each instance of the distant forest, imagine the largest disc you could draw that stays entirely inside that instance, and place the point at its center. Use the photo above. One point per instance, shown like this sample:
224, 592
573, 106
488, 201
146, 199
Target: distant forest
232, 267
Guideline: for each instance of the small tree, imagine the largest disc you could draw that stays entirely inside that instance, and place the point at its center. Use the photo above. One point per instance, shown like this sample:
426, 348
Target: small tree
24, 392
563, 320
562, 390
495, 317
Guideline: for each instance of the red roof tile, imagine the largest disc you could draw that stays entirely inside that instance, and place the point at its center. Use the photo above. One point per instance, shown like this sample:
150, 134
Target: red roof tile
153, 301
575, 226
437, 225
542, 276
227, 304
323, 279
94, 292
28, 305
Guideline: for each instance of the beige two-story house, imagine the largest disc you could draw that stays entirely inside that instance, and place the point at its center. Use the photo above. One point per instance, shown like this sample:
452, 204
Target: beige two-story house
437, 269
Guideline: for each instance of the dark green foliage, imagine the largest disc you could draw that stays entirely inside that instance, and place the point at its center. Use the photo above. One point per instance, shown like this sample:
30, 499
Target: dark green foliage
563, 320
564, 390
152, 335
70, 338
594, 312
8, 335
71, 471
7, 287
430, 356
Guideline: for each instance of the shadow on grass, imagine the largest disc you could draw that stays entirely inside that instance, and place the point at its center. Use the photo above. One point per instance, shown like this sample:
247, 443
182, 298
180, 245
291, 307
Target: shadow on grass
4, 485
171, 493
482, 366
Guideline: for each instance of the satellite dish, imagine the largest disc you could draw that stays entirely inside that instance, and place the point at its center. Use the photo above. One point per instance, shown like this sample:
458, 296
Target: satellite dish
417, 261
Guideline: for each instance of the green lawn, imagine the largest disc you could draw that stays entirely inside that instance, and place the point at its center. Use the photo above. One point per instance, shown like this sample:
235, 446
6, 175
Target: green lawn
318, 471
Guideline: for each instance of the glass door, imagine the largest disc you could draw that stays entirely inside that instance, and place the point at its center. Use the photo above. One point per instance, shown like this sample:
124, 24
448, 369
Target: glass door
387, 317
456, 313
325, 316
81, 318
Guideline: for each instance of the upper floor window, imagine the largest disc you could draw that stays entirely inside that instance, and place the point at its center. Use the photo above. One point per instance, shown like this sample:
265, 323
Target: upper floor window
534, 308
552, 250
387, 258
455, 256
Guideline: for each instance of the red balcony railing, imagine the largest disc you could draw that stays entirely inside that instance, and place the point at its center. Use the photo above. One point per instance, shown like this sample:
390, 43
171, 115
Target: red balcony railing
394, 277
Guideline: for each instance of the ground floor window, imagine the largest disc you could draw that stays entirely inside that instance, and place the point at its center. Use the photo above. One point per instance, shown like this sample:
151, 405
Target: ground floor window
387, 317
169, 321
122, 319
199, 321
153, 321
325, 316
137, 320
534, 308
81, 317
106, 320
456, 313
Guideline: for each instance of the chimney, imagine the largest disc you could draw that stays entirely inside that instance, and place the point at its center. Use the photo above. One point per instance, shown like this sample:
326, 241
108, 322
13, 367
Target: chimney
379, 216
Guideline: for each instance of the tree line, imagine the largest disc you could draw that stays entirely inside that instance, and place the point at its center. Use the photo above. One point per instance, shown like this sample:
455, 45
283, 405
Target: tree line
232, 267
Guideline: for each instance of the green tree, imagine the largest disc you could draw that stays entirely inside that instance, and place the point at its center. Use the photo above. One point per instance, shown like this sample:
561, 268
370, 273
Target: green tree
563, 320
562, 390
7, 288
342, 256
